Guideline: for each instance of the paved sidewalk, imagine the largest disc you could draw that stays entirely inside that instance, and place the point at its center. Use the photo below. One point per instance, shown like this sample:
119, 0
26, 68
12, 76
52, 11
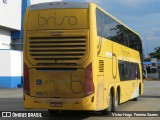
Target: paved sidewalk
11, 93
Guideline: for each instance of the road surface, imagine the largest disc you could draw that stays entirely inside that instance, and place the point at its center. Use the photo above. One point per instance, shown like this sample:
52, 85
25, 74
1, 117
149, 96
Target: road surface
11, 100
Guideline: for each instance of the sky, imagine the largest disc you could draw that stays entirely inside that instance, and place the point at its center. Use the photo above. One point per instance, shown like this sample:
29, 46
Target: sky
143, 16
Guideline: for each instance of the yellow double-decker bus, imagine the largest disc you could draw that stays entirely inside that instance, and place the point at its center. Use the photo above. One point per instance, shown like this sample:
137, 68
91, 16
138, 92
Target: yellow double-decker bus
79, 57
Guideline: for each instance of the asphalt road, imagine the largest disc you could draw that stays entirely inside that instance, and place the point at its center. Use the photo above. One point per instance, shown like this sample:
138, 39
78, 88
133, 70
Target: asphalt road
11, 100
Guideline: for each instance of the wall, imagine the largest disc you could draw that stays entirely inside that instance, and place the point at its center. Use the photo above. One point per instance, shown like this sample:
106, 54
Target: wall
10, 68
10, 14
11, 27
5, 39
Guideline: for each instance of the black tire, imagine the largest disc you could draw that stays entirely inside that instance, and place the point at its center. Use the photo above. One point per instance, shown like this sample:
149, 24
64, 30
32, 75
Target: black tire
135, 99
108, 110
113, 104
53, 112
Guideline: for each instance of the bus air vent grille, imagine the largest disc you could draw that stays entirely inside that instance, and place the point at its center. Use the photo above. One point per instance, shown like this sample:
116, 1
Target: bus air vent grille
101, 66
57, 51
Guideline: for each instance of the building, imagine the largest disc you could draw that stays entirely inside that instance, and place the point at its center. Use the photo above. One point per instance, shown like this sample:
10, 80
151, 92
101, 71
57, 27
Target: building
11, 41
10, 60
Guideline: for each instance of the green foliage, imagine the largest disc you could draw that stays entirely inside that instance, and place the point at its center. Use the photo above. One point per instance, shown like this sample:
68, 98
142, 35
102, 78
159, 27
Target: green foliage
146, 59
156, 53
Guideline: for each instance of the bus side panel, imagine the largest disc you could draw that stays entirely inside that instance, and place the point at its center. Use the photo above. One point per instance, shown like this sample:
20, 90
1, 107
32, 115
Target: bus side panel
104, 53
107, 78
100, 92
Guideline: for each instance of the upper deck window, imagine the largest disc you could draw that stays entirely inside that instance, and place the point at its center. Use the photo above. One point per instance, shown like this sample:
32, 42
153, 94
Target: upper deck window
111, 29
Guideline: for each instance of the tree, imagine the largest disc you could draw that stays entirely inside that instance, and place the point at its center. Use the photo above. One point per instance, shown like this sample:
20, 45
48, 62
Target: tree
146, 59
156, 53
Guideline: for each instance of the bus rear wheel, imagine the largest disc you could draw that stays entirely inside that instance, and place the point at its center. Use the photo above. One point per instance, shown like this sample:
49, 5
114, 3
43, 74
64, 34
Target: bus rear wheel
53, 112
113, 104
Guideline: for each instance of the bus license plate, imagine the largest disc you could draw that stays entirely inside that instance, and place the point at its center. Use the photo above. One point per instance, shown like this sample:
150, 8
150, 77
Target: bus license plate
56, 104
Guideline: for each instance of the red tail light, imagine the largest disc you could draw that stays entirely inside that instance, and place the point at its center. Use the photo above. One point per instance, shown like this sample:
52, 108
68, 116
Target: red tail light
89, 86
26, 87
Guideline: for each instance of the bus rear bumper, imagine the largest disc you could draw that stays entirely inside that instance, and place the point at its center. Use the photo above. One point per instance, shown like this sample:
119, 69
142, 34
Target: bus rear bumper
86, 103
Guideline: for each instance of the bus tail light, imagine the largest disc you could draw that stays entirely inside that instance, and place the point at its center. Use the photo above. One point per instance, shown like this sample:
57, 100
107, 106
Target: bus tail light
26, 87
89, 86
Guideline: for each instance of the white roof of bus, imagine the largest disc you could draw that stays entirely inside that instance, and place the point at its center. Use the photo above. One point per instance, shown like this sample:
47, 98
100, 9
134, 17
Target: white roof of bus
49, 5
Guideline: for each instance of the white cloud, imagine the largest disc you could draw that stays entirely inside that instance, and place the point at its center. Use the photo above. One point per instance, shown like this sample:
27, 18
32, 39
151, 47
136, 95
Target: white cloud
122, 2
134, 2
148, 28
42, 1
151, 39
94, 1
154, 35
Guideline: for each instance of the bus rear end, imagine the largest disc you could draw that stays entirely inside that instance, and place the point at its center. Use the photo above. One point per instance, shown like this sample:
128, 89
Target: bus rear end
57, 72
